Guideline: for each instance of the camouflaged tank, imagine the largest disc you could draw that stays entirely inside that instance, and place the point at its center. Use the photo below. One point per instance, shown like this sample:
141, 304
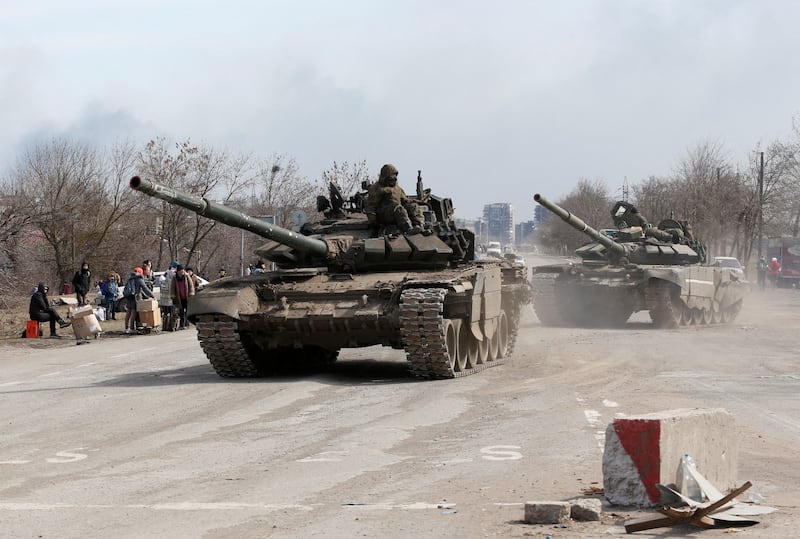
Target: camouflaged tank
341, 283
636, 267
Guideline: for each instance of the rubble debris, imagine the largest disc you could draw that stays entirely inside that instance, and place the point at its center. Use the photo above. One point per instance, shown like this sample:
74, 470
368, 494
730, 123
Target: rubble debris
546, 512
586, 509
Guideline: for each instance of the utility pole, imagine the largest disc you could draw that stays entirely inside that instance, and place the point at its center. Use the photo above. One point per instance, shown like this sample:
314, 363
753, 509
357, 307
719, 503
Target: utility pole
760, 203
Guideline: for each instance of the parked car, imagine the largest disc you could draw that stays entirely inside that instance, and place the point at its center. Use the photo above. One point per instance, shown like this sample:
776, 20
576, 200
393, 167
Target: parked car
515, 258
729, 262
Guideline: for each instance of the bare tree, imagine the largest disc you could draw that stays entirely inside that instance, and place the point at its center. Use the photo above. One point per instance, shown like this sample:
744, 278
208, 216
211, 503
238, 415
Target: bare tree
67, 190
347, 177
197, 170
279, 190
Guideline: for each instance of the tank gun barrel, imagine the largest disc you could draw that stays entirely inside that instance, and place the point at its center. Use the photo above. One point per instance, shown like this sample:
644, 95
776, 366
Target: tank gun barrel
229, 216
579, 225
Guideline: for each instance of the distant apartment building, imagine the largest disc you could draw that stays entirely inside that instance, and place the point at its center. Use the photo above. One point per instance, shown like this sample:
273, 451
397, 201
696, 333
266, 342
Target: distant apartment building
524, 232
498, 220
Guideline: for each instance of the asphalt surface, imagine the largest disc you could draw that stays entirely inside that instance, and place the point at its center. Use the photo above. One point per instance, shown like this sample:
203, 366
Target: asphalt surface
138, 437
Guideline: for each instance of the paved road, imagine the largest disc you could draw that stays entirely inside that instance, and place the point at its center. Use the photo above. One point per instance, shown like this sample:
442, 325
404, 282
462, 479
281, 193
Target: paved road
138, 437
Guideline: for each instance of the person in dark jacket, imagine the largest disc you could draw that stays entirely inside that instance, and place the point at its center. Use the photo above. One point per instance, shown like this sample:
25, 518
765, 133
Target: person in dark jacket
140, 290
81, 283
41, 311
180, 290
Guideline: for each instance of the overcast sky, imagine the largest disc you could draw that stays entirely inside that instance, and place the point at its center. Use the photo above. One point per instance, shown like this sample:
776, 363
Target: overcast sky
494, 101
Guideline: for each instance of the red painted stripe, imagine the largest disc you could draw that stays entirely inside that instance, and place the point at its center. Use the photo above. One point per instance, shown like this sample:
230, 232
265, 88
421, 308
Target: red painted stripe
641, 440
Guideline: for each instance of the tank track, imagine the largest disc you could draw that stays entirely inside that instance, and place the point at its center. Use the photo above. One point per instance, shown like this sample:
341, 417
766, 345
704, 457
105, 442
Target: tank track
421, 329
545, 303
219, 338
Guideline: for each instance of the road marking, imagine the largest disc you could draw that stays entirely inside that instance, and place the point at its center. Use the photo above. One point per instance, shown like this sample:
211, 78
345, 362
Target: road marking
336, 456
610, 404
501, 452
50, 374
177, 506
592, 417
63, 457
9, 384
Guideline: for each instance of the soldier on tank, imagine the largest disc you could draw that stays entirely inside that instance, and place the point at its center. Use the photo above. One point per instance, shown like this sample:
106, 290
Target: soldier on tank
387, 204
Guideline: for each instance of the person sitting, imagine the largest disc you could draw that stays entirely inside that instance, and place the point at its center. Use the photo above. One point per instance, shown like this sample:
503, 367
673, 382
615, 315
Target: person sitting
387, 204
41, 311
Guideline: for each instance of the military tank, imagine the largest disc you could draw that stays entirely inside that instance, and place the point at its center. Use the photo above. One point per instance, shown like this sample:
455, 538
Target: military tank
341, 283
635, 267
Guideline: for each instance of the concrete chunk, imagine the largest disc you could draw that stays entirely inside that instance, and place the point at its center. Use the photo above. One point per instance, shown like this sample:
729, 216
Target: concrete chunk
586, 509
643, 450
546, 512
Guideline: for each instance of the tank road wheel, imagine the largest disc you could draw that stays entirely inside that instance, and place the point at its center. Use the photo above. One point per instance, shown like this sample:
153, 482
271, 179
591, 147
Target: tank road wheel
483, 351
462, 353
686, 315
708, 316
502, 336
450, 330
730, 313
716, 316
697, 316
230, 353
666, 311
494, 346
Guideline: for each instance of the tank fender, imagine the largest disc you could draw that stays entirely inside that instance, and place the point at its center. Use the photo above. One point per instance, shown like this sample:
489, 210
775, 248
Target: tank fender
233, 302
486, 303
698, 286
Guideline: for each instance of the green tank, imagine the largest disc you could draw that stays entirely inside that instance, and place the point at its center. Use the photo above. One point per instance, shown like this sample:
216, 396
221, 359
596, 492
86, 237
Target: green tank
635, 267
341, 283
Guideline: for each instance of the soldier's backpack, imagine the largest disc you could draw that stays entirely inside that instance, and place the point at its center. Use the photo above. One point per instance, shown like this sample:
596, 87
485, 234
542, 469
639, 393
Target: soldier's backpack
130, 289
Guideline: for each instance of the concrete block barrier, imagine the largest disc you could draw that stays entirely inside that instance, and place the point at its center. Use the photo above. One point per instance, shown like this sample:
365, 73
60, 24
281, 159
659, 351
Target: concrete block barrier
546, 512
643, 450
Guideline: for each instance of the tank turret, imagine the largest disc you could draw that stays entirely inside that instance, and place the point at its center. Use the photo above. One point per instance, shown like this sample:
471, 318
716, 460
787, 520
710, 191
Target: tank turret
637, 241
343, 240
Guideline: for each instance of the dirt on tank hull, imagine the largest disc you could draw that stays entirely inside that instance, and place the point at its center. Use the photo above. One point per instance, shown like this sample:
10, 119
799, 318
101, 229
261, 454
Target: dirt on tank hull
644, 268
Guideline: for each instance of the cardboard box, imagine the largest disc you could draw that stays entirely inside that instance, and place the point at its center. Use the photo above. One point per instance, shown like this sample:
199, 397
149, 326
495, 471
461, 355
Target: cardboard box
150, 318
147, 305
82, 311
85, 325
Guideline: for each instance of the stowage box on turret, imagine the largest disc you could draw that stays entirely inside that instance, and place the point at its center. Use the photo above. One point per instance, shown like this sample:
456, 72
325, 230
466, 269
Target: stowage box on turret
636, 267
342, 283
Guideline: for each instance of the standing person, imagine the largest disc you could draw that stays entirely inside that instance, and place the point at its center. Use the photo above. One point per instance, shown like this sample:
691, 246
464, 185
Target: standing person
181, 289
761, 268
110, 290
164, 299
41, 311
388, 204
774, 268
135, 289
147, 272
81, 283
195, 279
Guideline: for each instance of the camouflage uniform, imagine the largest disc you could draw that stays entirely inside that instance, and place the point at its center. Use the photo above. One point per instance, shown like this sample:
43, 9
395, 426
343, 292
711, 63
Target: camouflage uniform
388, 204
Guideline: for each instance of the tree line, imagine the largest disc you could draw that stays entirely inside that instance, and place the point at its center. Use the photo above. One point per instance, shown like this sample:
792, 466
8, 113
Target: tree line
719, 197
65, 202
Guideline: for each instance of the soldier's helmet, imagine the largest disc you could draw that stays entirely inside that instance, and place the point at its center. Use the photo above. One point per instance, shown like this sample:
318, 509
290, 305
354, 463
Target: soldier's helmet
388, 172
